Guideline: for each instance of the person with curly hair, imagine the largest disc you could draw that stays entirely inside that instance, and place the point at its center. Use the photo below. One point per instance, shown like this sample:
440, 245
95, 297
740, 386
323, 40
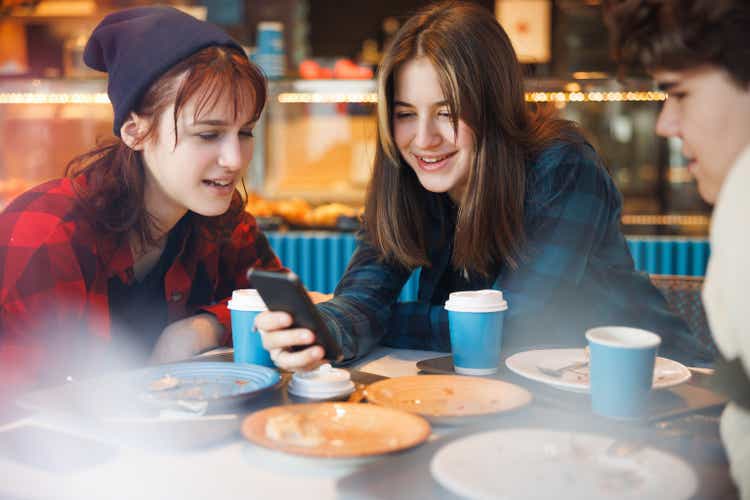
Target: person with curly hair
698, 52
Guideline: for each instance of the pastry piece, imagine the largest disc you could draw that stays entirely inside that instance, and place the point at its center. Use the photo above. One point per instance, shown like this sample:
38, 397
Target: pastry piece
258, 206
294, 210
294, 429
164, 383
327, 215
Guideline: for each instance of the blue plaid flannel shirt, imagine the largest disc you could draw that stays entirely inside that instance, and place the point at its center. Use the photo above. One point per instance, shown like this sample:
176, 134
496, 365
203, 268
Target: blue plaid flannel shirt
577, 273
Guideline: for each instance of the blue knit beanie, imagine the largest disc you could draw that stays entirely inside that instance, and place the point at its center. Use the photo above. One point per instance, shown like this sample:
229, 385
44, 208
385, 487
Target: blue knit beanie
136, 46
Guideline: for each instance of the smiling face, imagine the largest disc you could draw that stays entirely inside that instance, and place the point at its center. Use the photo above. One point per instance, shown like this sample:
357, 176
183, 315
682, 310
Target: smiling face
202, 169
424, 134
711, 114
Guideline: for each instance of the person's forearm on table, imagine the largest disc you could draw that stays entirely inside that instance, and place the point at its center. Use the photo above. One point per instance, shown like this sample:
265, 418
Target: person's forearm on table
187, 337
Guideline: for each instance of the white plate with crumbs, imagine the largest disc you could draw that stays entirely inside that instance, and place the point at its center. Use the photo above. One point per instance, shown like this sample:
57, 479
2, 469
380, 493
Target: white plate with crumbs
541, 464
448, 399
538, 364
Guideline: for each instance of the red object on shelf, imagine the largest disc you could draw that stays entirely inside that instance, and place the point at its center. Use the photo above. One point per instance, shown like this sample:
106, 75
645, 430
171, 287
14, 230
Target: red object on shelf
347, 69
309, 69
344, 68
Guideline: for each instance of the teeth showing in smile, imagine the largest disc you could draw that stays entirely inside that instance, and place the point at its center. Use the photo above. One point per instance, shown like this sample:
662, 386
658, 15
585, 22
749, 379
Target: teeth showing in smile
433, 160
218, 183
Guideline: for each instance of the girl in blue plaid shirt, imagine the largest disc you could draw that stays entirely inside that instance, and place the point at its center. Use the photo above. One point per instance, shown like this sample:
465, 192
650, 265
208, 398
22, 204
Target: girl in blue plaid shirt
474, 190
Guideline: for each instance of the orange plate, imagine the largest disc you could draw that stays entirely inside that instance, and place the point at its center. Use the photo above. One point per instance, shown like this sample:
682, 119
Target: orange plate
448, 398
339, 430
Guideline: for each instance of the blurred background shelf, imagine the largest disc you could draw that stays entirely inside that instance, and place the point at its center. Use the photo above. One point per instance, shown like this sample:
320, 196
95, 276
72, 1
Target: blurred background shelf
315, 141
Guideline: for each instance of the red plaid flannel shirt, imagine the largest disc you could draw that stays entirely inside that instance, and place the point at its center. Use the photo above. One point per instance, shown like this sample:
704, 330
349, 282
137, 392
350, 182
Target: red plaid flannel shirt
54, 273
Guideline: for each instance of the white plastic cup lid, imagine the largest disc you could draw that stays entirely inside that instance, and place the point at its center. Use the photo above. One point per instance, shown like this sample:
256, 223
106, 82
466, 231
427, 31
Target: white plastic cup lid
476, 301
323, 382
270, 26
246, 299
623, 336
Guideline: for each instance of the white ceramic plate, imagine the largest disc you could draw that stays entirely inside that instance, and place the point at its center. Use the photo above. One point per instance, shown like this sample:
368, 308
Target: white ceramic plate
536, 463
448, 399
335, 430
667, 373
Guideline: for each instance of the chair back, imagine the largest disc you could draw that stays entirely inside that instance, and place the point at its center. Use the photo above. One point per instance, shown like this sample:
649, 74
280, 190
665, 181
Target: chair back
683, 296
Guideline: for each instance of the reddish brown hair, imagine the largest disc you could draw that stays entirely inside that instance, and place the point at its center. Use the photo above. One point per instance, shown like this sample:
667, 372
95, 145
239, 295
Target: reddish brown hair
112, 197
482, 82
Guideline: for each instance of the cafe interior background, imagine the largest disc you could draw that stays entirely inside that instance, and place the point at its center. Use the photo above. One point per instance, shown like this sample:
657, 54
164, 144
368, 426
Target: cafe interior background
315, 143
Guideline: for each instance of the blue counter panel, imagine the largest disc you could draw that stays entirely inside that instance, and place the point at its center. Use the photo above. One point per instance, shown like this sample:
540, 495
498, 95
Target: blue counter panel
320, 258
678, 256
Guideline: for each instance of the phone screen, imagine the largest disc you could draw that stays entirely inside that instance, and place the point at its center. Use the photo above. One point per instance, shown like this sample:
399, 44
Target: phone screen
284, 292
52, 450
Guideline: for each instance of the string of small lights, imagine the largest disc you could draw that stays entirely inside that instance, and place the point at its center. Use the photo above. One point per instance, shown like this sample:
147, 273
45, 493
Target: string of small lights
53, 98
576, 96
325, 98
666, 220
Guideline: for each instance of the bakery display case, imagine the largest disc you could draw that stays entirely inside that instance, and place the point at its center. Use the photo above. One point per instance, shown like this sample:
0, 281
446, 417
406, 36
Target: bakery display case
314, 149
44, 124
318, 135
316, 141
315, 145
619, 118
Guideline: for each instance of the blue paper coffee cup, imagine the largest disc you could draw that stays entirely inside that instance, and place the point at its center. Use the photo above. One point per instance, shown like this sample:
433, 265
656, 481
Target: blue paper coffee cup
621, 370
270, 49
245, 305
475, 320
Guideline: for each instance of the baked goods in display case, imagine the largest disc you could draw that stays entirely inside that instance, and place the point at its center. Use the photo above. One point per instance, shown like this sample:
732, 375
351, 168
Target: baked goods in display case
329, 214
299, 214
294, 211
258, 206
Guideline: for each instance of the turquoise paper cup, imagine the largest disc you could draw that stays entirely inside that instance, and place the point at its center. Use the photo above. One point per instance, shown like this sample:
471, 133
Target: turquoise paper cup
244, 306
475, 320
621, 370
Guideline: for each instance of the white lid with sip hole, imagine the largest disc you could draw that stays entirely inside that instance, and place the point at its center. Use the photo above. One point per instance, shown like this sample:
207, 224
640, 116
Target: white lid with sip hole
476, 301
325, 382
246, 299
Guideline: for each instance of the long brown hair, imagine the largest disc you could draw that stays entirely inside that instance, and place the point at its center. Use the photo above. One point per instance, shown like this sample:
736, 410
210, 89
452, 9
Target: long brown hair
681, 34
482, 82
112, 196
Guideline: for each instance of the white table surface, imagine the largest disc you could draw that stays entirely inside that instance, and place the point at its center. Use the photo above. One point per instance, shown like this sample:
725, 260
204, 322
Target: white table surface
235, 469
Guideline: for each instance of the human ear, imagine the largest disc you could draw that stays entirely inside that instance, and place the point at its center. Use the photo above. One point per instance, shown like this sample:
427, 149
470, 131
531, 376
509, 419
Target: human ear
133, 131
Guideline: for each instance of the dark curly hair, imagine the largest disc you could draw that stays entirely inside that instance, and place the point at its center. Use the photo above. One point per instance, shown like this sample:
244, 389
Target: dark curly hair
681, 34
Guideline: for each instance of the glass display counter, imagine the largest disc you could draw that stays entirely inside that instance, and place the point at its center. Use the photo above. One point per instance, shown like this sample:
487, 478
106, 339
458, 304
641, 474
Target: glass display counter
319, 135
46, 123
315, 142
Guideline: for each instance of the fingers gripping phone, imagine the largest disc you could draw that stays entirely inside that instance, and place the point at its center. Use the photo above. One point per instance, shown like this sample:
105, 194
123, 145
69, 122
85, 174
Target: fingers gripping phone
285, 292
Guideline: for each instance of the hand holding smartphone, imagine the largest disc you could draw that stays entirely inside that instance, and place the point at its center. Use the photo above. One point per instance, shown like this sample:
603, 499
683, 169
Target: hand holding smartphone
285, 292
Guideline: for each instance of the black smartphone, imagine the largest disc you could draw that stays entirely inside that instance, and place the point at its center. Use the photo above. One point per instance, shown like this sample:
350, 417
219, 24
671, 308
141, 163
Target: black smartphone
285, 292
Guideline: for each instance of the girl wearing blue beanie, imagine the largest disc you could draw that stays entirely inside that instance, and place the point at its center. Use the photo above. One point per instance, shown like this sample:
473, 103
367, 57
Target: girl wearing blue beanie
131, 255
